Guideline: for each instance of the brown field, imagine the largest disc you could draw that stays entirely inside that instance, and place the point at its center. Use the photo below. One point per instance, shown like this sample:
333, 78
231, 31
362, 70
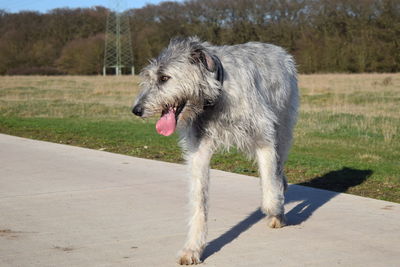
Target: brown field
370, 95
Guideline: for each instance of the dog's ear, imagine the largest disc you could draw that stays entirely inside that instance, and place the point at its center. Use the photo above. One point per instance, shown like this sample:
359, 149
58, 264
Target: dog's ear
199, 55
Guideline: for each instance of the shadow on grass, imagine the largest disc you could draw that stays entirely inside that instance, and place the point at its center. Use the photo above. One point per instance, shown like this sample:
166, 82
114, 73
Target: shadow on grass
310, 201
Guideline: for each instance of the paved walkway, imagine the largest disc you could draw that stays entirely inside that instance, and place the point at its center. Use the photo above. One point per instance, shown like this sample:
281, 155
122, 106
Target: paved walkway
68, 206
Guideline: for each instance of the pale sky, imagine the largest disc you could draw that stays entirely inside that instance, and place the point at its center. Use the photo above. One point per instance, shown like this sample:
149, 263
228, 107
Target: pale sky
45, 5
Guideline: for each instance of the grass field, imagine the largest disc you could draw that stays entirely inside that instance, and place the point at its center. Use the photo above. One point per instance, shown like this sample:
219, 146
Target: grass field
347, 138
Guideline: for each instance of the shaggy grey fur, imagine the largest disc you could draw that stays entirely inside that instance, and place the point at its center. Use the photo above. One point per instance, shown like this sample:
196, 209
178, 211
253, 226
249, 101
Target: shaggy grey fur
242, 95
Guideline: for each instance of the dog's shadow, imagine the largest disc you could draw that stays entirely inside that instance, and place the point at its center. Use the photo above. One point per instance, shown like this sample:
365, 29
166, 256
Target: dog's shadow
310, 201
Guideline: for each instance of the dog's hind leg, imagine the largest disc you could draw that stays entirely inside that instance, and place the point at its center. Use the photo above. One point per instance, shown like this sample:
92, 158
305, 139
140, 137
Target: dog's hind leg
272, 185
199, 165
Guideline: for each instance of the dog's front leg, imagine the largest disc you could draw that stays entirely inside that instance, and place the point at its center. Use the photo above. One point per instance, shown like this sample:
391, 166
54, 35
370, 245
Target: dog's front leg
199, 165
273, 186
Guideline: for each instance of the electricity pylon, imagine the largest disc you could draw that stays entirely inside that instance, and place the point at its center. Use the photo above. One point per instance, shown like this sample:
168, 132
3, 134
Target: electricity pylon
118, 47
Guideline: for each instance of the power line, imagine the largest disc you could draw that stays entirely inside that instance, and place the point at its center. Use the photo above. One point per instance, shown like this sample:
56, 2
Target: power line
118, 55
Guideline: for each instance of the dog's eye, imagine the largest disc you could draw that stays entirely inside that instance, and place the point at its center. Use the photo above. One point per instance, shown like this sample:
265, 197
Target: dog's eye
164, 78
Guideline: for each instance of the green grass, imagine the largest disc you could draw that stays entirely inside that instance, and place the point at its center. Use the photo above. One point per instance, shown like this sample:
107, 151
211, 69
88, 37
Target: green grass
342, 151
328, 152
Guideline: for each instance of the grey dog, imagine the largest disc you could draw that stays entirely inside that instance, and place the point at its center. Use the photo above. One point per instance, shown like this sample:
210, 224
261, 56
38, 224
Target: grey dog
243, 95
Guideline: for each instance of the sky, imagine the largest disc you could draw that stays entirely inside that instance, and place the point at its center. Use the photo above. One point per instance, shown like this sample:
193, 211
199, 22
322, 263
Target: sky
45, 5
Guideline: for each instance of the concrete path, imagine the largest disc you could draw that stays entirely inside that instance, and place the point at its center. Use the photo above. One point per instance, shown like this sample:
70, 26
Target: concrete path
68, 206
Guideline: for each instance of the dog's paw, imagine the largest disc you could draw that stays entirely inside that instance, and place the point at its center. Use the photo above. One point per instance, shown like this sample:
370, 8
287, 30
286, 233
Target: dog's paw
189, 257
276, 221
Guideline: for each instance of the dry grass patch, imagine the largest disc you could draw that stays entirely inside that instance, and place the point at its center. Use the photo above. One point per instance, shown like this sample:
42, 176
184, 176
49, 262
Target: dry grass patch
370, 95
67, 96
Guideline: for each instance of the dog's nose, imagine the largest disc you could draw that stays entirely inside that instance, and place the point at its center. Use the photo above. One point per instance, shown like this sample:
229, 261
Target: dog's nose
138, 110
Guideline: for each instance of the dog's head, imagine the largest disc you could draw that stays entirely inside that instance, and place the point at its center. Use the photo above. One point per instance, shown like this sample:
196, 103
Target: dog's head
179, 84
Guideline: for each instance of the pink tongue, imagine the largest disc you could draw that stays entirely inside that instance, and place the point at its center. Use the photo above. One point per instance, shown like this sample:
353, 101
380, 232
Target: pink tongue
166, 124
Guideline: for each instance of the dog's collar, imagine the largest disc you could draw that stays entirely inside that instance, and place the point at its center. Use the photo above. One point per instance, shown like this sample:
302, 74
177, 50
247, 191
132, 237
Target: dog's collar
219, 76
220, 70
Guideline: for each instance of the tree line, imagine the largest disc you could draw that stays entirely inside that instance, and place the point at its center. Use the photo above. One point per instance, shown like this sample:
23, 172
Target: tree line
323, 35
